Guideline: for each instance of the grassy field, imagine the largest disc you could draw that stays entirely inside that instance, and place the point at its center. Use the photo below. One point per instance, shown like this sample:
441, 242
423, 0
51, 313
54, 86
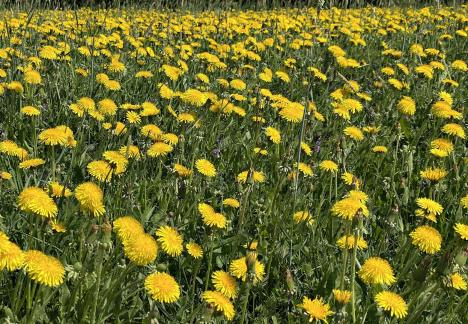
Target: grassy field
279, 166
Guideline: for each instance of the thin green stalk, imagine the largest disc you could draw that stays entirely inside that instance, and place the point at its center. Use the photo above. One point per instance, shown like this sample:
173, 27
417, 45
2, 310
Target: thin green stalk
99, 260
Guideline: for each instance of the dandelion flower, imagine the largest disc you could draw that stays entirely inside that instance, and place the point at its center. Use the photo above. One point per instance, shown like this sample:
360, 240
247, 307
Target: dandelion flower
141, 249
349, 241
462, 230
457, 281
116, 160
407, 106
302, 216
256, 176
392, 303
377, 271
101, 170
30, 111
328, 165
379, 149
238, 269
211, 217
354, 132
220, 303
427, 239
316, 309
31, 163
205, 167
348, 208
171, 241
342, 296
162, 287
57, 190
430, 205
36, 200
454, 130
273, 134
44, 269
127, 227
231, 202
11, 256
90, 197
225, 283
433, 174
194, 250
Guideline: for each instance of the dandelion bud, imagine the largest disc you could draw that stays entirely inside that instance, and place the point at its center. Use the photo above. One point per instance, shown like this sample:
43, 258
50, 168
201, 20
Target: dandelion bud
290, 281
250, 260
461, 257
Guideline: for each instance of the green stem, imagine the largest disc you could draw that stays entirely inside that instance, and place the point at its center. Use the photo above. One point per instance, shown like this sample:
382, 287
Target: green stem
245, 299
100, 255
345, 257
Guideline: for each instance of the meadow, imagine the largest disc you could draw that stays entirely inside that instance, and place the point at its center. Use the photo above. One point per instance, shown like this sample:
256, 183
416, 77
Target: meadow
271, 166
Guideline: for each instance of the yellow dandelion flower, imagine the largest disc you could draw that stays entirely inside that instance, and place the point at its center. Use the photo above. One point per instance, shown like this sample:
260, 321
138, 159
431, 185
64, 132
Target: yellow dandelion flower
90, 197
454, 130
5, 175
101, 170
194, 250
210, 217
462, 230
205, 167
116, 160
44, 269
225, 283
170, 239
36, 200
130, 151
392, 303
273, 134
231, 202
11, 256
57, 190
32, 77
31, 163
316, 309
220, 303
457, 281
348, 242
342, 296
427, 239
238, 268
141, 249
162, 287
256, 176
182, 170
30, 111
377, 271
303, 216
430, 206
379, 149
354, 132
433, 174
159, 149
127, 227
328, 165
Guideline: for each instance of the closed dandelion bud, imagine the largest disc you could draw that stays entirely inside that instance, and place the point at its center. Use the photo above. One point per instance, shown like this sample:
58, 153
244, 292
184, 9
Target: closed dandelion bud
161, 267
93, 236
77, 266
107, 230
250, 260
461, 257
290, 281
410, 164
